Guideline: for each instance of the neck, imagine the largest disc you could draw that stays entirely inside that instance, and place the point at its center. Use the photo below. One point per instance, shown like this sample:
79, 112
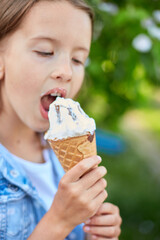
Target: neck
20, 139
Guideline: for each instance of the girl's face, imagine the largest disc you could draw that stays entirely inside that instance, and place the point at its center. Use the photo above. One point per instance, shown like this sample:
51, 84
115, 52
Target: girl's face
44, 57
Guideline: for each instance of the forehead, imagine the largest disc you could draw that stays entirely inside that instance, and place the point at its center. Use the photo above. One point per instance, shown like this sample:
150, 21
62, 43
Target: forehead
50, 17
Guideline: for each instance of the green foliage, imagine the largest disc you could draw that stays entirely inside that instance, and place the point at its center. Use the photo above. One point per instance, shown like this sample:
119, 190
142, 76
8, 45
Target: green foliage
119, 76
135, 189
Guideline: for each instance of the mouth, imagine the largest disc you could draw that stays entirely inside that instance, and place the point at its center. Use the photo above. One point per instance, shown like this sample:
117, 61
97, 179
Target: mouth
48, 98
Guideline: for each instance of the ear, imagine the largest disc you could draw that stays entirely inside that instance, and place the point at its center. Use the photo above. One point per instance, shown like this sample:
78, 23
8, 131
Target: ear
1, 68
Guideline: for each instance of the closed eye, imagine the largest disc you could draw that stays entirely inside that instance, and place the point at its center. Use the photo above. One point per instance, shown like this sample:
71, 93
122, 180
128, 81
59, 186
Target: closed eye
77, 61
44, 54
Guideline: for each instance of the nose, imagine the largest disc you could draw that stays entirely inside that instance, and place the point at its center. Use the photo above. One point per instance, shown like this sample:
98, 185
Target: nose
62, 70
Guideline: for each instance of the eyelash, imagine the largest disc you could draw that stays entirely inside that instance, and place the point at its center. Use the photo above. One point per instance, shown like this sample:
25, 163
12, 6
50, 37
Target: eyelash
77, 61
46, 54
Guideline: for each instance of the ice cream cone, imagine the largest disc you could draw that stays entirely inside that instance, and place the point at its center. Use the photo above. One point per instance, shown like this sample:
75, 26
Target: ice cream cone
72, 150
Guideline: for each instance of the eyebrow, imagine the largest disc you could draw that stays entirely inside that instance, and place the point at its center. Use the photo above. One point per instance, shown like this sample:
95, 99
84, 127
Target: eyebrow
82, 49
43, 38
55, 40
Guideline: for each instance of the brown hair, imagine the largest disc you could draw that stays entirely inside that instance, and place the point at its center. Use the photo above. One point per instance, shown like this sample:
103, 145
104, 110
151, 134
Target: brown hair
12, 12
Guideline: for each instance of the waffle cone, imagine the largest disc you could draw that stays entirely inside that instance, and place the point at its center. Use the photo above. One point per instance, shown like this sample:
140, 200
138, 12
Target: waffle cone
72, 150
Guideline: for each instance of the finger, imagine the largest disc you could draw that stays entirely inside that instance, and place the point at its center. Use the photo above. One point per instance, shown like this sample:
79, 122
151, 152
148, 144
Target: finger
81, 168
105, 220
93, 176
98, 200
96, 189
110, 232
108, 208
94, 237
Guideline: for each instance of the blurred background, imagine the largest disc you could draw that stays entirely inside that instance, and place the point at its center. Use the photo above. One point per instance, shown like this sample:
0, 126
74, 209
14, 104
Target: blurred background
122, 93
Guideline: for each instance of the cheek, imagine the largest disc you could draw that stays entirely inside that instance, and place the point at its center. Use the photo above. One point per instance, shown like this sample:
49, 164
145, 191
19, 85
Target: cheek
77, 83
22, 79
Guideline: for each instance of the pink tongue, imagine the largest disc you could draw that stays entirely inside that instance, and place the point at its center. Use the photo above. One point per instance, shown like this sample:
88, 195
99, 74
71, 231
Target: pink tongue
46, 101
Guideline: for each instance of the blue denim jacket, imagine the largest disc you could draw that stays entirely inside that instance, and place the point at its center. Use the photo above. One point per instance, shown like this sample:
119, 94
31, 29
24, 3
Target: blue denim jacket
20, 206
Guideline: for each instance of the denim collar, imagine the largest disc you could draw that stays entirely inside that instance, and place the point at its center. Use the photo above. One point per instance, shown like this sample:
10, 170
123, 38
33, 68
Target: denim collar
16, 175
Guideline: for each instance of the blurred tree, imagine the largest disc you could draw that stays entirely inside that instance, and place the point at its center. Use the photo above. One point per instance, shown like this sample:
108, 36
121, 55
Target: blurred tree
123, 71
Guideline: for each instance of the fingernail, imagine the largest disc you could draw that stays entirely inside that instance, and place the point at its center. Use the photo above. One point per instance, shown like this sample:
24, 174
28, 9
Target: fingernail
86, 228
94, 237
99, 158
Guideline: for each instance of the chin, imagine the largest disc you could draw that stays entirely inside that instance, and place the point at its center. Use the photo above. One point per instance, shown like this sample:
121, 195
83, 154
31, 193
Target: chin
42, 128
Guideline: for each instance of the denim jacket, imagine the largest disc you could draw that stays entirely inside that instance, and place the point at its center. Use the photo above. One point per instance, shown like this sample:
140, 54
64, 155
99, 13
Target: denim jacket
20, 206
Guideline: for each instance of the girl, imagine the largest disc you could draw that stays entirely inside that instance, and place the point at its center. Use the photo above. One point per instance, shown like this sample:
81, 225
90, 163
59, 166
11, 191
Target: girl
43, 48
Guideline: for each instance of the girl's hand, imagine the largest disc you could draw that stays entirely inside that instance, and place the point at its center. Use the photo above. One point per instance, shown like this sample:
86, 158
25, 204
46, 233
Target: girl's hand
80, 194
105, 224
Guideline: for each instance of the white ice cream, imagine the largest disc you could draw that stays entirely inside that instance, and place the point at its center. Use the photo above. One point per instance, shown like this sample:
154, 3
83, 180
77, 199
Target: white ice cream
67, 119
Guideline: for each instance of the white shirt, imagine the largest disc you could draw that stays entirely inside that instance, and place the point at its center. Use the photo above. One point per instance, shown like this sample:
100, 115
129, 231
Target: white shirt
41, 176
